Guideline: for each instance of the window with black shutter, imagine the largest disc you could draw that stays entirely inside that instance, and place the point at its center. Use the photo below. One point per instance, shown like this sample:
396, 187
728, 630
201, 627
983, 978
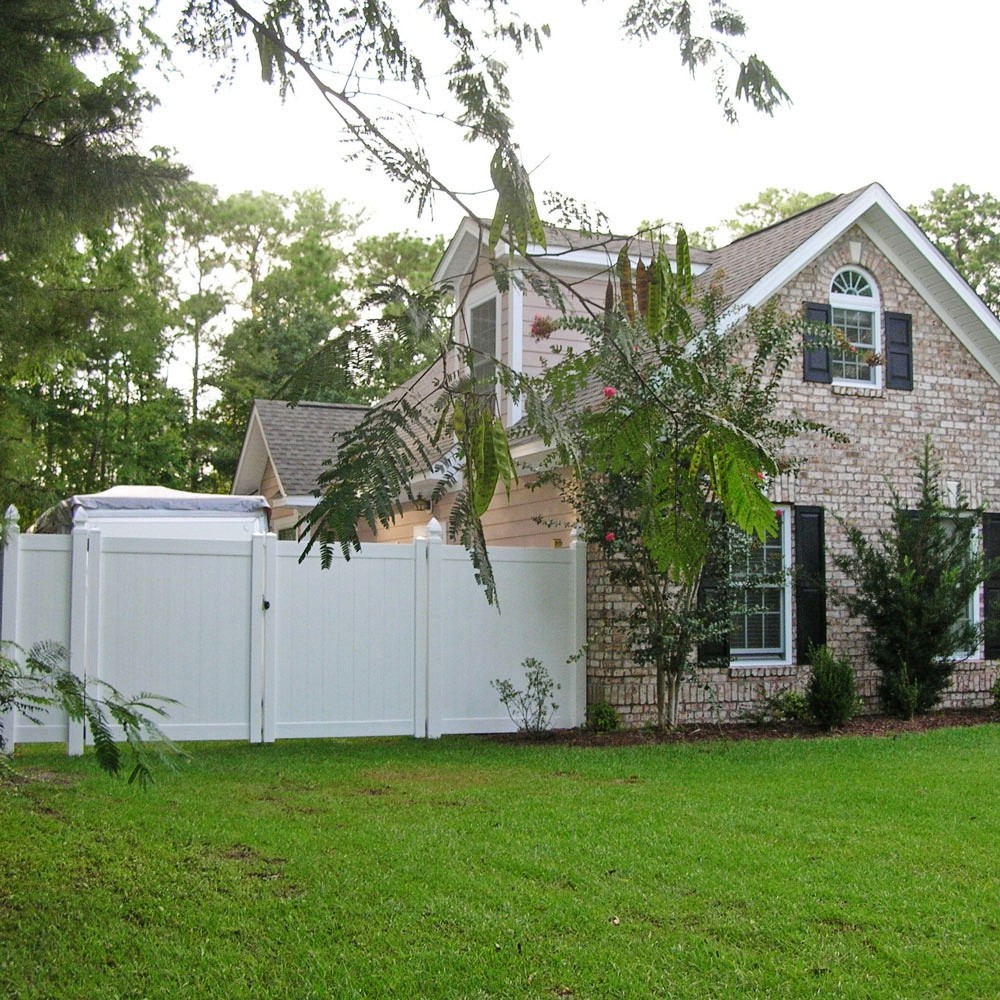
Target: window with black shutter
898, 351
810, 581
991, 589
816, 359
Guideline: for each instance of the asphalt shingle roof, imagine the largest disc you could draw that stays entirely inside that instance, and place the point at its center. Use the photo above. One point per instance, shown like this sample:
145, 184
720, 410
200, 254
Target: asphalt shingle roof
301, 438
746, 260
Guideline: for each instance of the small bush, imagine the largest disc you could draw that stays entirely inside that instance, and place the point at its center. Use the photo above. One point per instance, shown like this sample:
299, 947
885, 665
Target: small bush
603, 717
786, 705
831, 695
530, 710
995, 691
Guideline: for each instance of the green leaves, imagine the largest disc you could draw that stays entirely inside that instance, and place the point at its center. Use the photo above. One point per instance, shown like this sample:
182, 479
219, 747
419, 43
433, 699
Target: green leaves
44, 680
516, 216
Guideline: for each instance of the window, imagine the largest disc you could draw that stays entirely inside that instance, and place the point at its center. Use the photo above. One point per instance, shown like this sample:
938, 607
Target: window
854, 311
762, 622
970, 616
483, 338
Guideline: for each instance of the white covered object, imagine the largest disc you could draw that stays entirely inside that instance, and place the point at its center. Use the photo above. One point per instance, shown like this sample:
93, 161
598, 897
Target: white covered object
156, 511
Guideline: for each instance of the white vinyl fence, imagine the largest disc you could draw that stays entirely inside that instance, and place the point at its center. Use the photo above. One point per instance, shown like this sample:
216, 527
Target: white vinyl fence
256, 646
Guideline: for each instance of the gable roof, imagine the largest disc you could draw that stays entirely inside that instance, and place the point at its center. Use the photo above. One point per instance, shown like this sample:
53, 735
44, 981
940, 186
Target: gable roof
760, 264
297, 439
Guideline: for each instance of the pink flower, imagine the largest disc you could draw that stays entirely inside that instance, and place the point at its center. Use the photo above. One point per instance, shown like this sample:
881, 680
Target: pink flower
610, 536
759, 475
543, 327
609, 392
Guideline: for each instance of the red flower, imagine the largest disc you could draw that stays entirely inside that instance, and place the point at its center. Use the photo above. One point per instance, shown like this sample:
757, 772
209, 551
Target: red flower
610, 536
543, 327
609, 392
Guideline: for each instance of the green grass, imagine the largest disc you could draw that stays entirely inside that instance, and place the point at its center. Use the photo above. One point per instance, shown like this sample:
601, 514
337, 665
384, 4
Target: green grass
464, 868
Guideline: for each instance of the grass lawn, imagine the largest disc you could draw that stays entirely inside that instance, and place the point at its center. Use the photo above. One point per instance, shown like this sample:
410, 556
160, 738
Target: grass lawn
462, 868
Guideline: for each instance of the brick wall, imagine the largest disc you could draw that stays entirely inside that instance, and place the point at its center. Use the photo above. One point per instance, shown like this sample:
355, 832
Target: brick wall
954, 402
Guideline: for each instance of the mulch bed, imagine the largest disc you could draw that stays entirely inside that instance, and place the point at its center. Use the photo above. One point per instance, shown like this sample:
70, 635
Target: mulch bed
865, 725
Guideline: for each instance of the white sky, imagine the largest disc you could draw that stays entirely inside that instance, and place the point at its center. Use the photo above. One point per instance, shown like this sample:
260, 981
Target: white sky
880, 93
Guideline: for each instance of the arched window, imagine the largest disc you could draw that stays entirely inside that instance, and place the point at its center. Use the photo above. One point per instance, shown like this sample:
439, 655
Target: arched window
854, 311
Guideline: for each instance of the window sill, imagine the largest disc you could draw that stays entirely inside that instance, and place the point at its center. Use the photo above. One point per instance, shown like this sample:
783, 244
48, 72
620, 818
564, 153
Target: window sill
761, 668
857, 389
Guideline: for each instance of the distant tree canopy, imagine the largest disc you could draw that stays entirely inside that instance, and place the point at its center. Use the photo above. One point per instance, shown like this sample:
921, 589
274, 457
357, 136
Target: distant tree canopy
68, 172
965, 227
772, 205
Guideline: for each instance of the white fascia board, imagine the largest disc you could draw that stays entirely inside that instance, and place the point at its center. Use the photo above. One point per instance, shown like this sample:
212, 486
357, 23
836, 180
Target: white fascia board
783, 272
300, 500
941, 309
875, 196
530, 452
938, 261
430, 479
468, 239
515, 334
593, 260
255, 430
955, 284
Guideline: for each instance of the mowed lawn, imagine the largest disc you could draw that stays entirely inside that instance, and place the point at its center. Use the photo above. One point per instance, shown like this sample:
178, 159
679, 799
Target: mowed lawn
841, 867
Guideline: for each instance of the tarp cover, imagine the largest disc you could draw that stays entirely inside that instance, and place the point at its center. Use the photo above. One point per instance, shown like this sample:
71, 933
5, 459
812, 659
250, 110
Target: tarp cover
59, 520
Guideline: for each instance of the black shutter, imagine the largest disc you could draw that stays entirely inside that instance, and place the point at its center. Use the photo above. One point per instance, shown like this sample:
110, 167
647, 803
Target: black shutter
810, 581
712, 580
991, 589
816, 361
898, 351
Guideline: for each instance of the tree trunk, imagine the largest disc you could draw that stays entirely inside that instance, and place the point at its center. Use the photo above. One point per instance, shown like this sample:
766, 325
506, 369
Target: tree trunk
661, 693
675, 687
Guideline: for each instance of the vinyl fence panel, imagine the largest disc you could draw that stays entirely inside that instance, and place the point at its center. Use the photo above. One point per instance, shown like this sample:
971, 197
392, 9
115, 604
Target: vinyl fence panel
254, 644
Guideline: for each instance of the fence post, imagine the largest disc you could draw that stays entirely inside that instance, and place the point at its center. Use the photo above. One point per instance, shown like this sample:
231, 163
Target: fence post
578, 547
84, 620
270, 652
432, 624
10, 557
255, 666
421, 599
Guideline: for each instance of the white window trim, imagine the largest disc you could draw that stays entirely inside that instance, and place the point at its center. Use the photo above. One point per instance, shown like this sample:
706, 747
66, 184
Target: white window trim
861, 303
976, 607
473, 300
737, 663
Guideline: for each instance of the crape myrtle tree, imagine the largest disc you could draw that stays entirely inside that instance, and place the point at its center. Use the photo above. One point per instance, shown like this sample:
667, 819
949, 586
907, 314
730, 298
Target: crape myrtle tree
912, 587
363, 60
666, 432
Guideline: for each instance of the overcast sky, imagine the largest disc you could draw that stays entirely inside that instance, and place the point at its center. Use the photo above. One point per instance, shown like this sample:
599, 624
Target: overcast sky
880, 93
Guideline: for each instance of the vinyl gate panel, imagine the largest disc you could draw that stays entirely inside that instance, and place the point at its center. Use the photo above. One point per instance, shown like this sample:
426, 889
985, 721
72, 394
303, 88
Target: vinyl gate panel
345, 643
176, 619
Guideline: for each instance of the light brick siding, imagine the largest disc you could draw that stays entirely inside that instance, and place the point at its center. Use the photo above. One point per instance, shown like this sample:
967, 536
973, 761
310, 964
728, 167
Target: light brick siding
954, 402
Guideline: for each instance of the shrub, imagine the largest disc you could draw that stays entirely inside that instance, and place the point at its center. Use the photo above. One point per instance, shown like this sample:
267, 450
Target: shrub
831, 695
786, 705
995, 691
530, 710
913, 584
603, 717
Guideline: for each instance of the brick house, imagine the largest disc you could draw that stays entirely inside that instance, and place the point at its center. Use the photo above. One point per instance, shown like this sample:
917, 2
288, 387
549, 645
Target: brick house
861, 264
